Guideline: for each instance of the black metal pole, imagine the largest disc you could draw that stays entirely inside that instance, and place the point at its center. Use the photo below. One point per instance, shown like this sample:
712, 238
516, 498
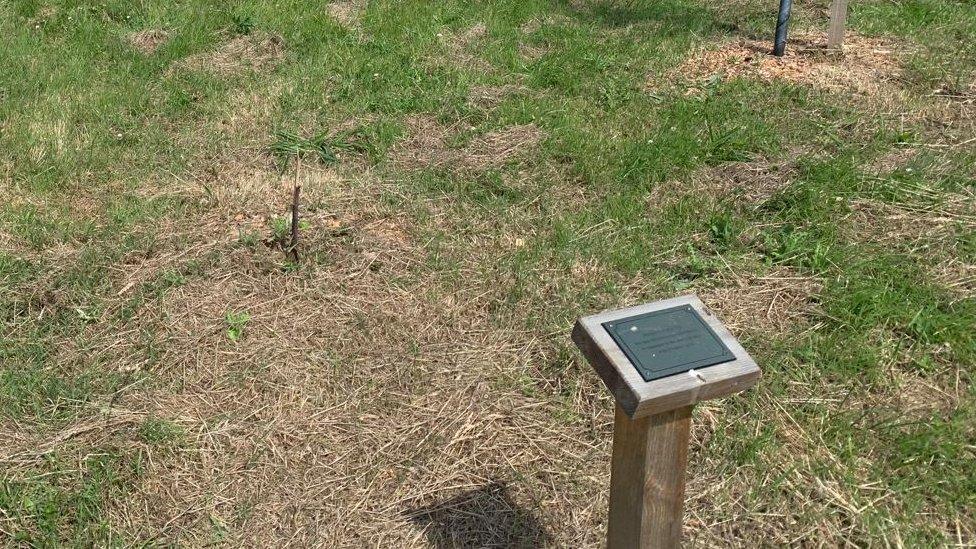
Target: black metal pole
779, 46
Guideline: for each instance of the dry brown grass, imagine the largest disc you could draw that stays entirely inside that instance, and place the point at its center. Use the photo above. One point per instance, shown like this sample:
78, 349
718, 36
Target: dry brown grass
51, 133
376, 401
466, 38
497, 148
915, 226
753, 181
894, 159
255, 51
425, 144
949, 124
44, 15
532, 52
537, 23
428, 145
378, 397
868, 66
147, 41
371, 400
24, 445
241, 133
44, 296
460, 48
363, 396
749, 182
347, 12
907, 392
917, 397
490, 97
957, 276
780, 301
928, 231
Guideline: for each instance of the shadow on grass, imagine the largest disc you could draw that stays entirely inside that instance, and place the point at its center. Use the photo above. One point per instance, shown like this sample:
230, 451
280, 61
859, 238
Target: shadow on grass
484, 517
672, 16
678, 17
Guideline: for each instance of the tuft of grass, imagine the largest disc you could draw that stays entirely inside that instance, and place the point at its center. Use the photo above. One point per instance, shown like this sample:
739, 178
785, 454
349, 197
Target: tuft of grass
65, 506
323, 147
236, 321
243, 24
281, 228
289, 145
155, 431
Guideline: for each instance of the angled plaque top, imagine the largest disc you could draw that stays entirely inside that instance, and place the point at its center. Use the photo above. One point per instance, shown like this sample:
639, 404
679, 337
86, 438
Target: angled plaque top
664, 355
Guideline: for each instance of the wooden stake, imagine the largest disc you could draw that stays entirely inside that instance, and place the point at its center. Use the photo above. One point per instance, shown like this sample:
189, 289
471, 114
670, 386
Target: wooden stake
647, 479
838, 22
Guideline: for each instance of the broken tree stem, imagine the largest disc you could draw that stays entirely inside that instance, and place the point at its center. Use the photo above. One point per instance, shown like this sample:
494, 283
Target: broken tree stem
293, 247
296, 193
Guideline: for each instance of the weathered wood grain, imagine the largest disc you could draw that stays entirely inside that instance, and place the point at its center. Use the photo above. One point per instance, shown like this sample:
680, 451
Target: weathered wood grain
641, 398
647, 479
838, 23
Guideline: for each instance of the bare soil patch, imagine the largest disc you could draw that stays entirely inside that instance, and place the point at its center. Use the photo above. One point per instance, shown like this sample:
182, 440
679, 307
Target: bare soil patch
255, 51
868, 66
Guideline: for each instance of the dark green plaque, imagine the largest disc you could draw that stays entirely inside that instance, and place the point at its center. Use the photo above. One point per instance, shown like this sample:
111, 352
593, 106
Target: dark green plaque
667, 342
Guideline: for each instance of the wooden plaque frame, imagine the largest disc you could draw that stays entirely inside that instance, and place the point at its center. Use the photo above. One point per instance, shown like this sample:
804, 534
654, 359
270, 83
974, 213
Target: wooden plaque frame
639, 398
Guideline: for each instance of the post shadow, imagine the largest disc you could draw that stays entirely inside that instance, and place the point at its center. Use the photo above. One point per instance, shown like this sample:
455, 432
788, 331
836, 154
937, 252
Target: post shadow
676, 17
483, 517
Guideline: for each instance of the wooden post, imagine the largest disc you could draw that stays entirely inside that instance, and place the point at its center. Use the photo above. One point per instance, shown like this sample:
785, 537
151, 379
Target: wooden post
647, 479
838, 22
658, 360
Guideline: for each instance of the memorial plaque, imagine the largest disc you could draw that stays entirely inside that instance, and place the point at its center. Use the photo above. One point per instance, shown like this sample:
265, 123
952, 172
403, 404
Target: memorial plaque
667, 342
658, 360
638, 352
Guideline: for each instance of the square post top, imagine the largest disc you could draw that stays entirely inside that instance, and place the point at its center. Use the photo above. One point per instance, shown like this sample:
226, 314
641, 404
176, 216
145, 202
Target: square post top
664, 355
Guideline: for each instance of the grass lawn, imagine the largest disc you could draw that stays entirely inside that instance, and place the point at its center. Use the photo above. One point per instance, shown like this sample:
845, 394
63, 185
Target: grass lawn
474, 177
